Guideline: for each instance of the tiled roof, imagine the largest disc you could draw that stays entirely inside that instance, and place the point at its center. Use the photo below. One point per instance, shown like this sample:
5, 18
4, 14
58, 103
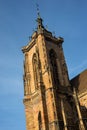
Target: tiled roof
80, 82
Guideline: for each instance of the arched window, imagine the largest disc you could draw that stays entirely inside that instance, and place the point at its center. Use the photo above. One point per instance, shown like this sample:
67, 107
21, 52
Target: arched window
35, 69
53, 62
39, 120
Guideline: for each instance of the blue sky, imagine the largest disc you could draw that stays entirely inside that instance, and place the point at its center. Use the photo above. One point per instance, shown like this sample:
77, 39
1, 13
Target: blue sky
67, 18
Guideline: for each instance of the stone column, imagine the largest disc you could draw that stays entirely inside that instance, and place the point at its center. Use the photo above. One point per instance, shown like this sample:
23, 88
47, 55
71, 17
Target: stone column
81, 124
64, 116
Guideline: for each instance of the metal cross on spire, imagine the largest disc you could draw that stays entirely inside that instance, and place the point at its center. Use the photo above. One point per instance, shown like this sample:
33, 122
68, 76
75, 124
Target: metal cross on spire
39, 20
38, 11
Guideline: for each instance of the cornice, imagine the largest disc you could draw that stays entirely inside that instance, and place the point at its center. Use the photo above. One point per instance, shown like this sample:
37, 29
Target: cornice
48, 36
29, 46
55, 40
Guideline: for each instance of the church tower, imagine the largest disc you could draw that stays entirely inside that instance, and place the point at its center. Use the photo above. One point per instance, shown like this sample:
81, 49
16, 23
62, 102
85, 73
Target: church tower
48, 97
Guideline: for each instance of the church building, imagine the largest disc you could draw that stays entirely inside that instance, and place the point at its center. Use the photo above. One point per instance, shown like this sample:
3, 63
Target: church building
51, 100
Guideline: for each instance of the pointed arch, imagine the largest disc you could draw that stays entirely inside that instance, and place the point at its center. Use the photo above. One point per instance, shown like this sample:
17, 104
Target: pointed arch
53, 61
35, 69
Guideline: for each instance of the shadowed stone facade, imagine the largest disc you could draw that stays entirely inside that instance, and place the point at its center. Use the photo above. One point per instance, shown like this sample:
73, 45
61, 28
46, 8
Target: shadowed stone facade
80, 83
50, 101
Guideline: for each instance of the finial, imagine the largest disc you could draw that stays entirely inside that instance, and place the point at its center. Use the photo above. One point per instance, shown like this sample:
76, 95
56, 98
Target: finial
46, 27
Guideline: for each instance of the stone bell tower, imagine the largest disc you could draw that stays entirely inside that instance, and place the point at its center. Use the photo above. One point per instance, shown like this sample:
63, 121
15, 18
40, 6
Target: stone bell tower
48, 97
